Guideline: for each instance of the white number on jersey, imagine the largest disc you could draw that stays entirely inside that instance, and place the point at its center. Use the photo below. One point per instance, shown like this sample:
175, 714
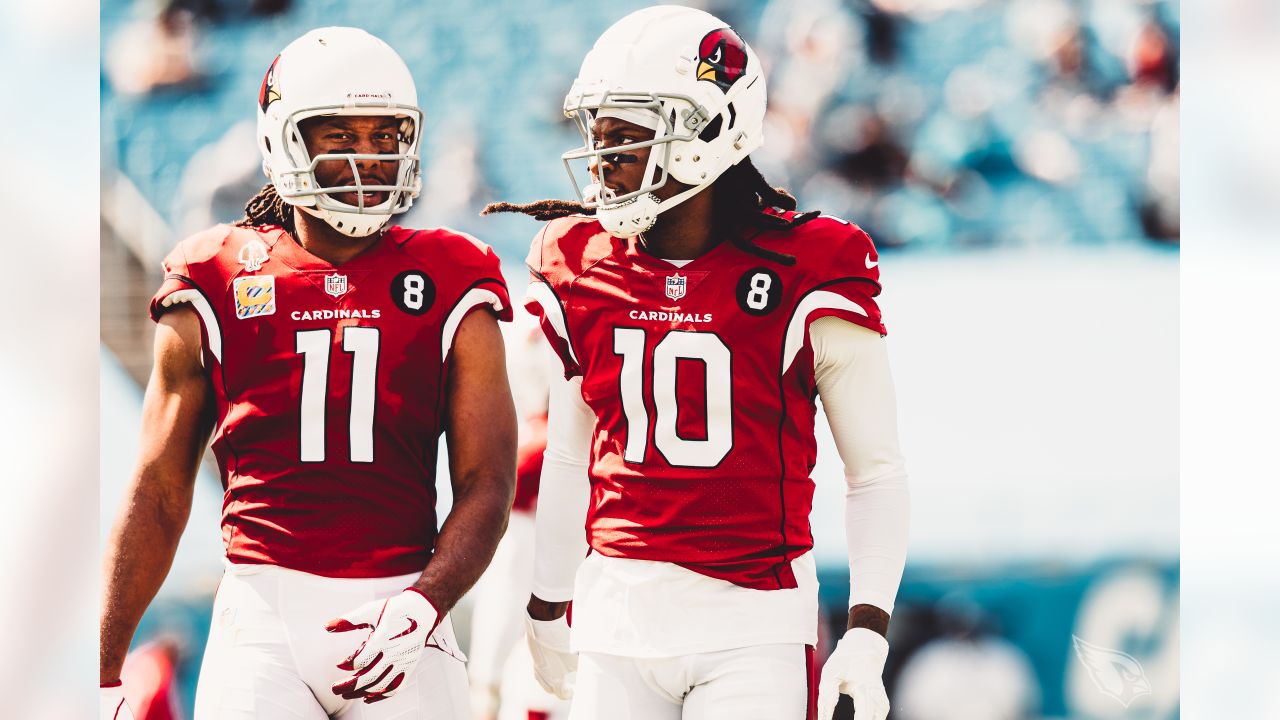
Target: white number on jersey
313, 345
758, 298
676, 345
413, 287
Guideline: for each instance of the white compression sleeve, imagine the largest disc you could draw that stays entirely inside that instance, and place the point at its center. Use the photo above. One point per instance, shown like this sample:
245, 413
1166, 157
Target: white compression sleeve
851, 367
560, 541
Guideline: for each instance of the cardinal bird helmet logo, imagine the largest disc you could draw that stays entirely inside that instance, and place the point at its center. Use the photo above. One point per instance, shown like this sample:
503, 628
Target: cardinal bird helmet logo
722, 57
1118, 675
270, 90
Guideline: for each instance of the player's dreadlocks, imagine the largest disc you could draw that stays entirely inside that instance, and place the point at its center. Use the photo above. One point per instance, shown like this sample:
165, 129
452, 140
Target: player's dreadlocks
267, 208
742, 199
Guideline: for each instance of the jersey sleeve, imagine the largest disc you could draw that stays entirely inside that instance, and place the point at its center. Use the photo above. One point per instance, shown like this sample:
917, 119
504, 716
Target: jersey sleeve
177, 278
486, 289
549, 281
192, 277
491, 279
842, 280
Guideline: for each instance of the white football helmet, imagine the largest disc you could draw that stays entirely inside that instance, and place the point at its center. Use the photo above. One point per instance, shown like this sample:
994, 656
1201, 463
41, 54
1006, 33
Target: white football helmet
338, 71
684, 74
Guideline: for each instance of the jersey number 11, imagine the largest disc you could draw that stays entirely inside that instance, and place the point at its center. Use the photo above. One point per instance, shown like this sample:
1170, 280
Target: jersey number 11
314, 346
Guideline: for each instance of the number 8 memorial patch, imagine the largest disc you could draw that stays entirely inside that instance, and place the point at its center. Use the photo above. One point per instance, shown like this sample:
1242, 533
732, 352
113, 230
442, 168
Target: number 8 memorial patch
413, 292
759, 291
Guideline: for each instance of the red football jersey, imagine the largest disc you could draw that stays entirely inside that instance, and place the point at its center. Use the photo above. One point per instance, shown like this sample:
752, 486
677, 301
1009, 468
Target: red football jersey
329, 385
529, 464
701, 380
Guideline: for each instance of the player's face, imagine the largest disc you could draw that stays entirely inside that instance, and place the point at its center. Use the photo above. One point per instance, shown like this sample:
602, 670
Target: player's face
623, 171
373, 135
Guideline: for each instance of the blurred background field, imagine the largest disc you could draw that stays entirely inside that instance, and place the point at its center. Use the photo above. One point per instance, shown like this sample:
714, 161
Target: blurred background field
1017, 162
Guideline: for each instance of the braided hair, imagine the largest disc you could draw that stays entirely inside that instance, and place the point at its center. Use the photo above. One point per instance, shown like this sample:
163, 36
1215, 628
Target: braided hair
742, 202
268, 208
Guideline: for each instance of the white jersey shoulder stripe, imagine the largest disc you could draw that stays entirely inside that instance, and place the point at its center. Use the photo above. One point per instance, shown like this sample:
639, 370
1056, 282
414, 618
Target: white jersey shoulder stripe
816, 300
207, 316
473, 297
541, 293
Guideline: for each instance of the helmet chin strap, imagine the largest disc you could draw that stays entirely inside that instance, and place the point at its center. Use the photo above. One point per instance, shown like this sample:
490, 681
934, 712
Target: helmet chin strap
640, 214
351, 226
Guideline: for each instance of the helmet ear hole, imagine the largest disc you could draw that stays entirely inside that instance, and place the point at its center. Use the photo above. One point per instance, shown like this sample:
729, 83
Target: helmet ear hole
712, 130
267, 141
733, 115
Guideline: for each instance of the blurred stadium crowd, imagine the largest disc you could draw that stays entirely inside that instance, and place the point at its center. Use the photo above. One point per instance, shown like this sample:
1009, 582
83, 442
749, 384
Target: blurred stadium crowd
931, 123
938, 125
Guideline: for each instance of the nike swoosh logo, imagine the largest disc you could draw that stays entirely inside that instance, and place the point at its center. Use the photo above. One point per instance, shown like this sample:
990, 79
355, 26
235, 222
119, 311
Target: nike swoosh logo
871, 263
413, 625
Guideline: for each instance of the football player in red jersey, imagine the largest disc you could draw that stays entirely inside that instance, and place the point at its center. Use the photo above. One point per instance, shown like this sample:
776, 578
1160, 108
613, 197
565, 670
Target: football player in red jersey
325, 352
698, 317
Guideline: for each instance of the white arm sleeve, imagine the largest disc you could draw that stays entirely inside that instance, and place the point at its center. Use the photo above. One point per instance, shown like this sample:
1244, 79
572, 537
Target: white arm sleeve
851, 367
560, 538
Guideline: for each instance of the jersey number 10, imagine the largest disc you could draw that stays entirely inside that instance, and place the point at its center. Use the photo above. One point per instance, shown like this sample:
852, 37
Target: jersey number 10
314, 346
706, 348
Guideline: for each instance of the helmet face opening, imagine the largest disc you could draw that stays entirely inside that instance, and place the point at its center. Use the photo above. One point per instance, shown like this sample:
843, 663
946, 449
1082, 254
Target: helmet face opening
299, 182
678, 118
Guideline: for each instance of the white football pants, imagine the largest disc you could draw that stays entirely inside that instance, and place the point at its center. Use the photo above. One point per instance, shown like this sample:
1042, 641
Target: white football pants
764, 682
269, 656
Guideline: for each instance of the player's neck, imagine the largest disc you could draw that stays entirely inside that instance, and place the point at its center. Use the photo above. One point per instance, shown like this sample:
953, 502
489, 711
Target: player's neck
321, 240
685, 231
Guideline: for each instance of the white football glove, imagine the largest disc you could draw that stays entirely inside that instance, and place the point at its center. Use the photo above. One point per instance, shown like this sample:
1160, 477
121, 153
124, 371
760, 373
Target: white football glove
112, 704
856, 668
400, 627
554, 664
485, 701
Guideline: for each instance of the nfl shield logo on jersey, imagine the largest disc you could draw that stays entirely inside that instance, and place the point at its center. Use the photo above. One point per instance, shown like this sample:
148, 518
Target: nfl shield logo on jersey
335, 284
676, 286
